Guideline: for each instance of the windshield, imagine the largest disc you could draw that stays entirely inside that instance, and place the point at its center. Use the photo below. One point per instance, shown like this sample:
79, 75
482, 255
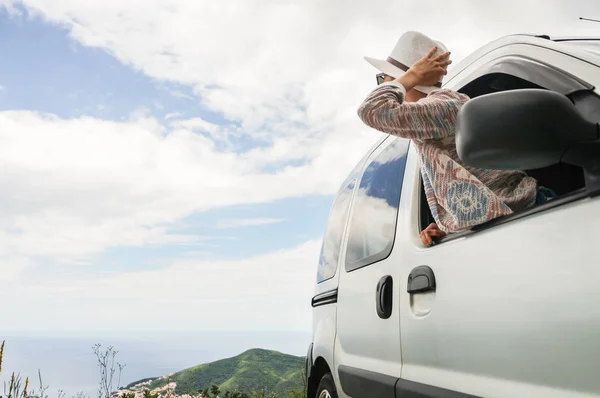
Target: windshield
592, 46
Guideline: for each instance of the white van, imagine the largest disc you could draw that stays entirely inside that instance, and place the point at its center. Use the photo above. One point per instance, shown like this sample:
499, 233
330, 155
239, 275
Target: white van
508, 309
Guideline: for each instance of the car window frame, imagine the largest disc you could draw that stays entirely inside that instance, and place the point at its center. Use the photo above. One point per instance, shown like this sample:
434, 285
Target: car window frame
349, 185
376, 258
578, 84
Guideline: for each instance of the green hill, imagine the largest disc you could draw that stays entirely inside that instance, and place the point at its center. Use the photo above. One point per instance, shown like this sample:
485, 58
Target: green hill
140, 381
254, 370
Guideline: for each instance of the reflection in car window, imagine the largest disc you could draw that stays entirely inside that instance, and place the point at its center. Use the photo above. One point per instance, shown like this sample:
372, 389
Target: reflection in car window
330, 251
373, 225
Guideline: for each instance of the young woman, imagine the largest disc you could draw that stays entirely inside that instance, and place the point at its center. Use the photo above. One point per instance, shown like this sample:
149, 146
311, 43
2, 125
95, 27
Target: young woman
409, 102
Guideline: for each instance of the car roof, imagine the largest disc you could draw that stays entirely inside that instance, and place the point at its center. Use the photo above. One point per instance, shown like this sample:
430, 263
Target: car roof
559, 44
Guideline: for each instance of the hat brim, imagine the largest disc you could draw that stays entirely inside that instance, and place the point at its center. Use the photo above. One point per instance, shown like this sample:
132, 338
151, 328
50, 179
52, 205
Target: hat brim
395, 72
385, 67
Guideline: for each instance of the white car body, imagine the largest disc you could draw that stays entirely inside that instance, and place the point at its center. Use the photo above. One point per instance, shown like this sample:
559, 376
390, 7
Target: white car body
515, 310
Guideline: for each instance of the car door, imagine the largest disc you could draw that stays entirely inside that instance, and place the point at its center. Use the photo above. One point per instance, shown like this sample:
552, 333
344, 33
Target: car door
514, 312
510, 310
367, 351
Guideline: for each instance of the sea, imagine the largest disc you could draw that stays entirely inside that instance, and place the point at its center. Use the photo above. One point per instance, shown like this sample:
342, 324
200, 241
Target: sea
68, 365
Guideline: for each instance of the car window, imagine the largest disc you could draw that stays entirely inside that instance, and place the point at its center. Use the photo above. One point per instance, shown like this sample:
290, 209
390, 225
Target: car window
566, 180
375, 212
332, 240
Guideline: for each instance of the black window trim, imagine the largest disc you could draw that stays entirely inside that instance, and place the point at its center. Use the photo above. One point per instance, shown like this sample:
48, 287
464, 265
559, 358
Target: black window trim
378, 257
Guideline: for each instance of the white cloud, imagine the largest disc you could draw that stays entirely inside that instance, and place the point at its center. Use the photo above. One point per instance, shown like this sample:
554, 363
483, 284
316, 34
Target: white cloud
247, 222
289, 74
271, 291
173, 115
179, 94
217, 133
75, 187
12, 268
2, 88
292, 74
9, 6
260, 68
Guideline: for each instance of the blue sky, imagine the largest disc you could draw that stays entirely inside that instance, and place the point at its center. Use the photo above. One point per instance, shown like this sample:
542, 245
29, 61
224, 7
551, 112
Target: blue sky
294, 221
49, 72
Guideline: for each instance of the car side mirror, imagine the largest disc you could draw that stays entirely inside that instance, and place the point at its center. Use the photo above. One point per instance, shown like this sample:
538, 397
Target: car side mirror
524, 129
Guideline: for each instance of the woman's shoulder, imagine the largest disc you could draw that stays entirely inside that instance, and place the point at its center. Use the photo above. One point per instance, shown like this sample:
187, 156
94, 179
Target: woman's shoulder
447, 94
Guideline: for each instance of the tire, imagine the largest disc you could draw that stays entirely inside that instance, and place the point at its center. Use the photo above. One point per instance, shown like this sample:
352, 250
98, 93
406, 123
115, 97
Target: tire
326, 387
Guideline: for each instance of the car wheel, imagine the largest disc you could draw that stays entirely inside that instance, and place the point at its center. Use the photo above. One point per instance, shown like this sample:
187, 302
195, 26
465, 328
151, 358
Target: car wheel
326, 387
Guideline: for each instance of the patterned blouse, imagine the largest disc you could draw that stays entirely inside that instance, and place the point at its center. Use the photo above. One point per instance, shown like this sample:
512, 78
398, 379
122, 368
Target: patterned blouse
459, 196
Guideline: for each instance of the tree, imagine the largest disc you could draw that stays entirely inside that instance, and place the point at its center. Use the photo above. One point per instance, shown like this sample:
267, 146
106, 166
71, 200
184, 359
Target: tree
106, 364
214, 390
148, 394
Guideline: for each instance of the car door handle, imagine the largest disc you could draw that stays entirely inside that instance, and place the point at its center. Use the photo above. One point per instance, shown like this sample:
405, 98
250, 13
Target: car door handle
420, 280
384, 297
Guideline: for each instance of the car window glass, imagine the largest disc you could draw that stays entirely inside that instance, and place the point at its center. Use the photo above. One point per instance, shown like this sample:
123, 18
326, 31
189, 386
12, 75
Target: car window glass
332, 240
374, 215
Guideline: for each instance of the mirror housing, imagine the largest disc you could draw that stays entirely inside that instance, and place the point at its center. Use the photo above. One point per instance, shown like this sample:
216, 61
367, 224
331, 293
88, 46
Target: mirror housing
522, 130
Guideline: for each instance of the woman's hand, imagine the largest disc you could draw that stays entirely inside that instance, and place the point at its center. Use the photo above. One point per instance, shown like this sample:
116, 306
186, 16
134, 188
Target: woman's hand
427, 71
429, 233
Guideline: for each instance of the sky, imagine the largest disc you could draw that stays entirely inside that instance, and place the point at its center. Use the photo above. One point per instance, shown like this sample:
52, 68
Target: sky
170, 165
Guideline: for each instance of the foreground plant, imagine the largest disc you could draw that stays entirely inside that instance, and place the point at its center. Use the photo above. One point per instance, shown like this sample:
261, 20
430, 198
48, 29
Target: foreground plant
106, 363
16, 388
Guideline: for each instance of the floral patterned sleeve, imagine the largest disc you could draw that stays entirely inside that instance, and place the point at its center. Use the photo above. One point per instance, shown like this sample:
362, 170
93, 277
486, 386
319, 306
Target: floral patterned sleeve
433, 117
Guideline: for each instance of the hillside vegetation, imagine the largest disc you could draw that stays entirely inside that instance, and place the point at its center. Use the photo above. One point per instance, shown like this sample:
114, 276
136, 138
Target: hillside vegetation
252, 371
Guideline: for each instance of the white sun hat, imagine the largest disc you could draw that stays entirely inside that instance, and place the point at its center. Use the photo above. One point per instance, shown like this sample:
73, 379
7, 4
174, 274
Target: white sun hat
411, 47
